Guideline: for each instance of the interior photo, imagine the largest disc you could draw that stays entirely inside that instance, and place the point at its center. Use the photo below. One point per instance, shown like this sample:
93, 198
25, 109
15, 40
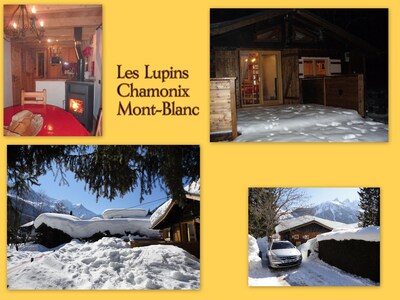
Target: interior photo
52, 70
299, 75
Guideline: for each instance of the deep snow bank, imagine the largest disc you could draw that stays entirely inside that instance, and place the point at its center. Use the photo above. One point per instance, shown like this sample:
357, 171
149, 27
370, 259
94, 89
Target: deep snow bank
106, 264
253, 254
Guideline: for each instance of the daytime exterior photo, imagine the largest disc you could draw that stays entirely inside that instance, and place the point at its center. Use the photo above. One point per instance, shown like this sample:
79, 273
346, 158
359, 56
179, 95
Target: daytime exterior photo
299, 75
314, 237
123, 217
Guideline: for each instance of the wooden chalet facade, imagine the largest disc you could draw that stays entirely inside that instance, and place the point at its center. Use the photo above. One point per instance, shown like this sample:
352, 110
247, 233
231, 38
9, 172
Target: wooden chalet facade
302, 233
180, 225
286, 56
299, 230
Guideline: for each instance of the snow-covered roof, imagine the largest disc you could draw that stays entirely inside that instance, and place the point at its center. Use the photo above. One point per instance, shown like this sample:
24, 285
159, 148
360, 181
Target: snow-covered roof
371, 234
160, 212
113, 213
29, 224
296, 222
193, 188
77, 228
193, 191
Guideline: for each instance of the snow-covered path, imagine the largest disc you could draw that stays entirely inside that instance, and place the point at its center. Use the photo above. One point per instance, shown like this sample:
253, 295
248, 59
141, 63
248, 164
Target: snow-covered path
307, 123
312, 272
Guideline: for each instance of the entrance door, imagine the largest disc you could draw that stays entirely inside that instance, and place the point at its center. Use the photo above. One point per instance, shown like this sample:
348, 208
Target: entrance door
260, 75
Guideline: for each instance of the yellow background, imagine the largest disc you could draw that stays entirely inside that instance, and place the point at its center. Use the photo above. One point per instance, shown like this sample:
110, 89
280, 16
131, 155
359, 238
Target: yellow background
176, 33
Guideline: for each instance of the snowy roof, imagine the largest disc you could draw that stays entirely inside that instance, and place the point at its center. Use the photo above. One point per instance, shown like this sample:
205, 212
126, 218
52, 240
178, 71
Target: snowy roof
299, 221
371, 234
77, 228
29, 224
193, 190
160, 212
113, 213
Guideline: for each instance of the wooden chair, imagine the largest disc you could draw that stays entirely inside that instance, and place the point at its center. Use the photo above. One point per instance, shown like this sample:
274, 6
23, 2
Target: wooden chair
33, 97
99, 130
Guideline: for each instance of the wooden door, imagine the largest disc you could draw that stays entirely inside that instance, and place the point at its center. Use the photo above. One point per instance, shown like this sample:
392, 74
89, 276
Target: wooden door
290, 76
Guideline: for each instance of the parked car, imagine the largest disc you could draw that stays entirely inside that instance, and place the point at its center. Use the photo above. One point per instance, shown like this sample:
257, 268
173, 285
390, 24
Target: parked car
283, 254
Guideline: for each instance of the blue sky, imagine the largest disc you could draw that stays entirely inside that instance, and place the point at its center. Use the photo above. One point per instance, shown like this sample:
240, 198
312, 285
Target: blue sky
76, 193
318, 195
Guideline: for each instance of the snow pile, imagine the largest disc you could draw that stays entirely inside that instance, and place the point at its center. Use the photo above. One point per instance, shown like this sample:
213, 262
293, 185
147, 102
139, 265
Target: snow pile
307, 123
253, 254
159, 213
371, 234
114, 213
77, 228
106, 264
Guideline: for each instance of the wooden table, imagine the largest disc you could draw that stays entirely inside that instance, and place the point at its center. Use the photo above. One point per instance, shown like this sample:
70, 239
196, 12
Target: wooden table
56, 121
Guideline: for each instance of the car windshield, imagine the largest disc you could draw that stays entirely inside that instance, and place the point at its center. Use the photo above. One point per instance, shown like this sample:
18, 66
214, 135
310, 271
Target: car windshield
281, 245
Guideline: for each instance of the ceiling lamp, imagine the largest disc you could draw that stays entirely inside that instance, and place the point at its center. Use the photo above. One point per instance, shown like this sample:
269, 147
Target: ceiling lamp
21, 22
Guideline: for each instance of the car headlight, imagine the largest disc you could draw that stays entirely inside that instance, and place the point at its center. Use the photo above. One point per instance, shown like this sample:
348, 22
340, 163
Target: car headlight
275, 258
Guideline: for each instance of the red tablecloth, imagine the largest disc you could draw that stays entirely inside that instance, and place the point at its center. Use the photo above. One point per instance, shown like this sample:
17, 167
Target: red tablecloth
56, 121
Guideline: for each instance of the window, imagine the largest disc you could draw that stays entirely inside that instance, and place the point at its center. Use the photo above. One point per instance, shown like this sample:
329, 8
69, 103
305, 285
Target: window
318, 66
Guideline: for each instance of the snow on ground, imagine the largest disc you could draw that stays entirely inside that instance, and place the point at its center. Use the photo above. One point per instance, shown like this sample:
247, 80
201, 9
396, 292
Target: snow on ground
106, 264
77, 228
307, 123
311, 272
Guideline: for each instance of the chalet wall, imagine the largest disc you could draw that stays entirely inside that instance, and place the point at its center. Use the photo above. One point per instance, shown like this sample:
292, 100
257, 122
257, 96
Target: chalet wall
8, 92
354, 256
303, 234
225, 63
345, 91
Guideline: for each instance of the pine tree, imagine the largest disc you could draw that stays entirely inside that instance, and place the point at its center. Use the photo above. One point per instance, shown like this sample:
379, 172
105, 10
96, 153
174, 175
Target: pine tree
108, 171
370, 205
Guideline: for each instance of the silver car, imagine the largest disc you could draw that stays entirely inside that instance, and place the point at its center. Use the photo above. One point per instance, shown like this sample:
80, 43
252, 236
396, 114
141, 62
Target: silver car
282, 254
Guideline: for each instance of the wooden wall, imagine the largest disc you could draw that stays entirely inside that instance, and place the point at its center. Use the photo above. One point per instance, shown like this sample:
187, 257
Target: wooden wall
225, 63
346, 91
223, 106
290, 76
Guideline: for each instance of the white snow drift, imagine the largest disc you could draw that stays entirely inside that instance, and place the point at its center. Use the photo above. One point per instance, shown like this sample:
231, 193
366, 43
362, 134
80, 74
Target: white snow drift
307, 123
106, 264
114, 213
370, 234
77, 228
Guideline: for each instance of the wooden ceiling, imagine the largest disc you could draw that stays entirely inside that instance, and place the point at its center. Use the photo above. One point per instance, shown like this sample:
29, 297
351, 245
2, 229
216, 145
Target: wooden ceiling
59, 23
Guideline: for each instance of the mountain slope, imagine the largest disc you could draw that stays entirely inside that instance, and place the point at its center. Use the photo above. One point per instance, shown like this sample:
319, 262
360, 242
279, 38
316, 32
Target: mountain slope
31, 204
341, 211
